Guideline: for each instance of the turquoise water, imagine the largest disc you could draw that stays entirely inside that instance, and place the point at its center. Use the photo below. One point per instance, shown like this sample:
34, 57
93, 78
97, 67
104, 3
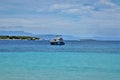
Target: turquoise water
37, 60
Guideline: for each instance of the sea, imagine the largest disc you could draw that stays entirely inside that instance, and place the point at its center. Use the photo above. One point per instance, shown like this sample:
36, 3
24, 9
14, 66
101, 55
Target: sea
76, 60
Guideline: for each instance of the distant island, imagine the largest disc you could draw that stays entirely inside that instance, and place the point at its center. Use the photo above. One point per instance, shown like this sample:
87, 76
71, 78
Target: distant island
18, 38
88, 40
41, 36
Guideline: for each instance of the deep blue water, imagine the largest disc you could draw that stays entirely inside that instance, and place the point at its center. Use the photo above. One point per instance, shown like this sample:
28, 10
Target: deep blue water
76, 60
70, 46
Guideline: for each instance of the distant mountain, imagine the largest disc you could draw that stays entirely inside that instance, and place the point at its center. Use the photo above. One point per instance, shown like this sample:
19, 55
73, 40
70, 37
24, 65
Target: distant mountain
45, 36
41, 36
16, 33
88, 40
51, 36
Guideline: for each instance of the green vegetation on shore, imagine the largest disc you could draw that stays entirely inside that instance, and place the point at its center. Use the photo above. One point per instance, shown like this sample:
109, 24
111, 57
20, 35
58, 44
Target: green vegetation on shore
18, 38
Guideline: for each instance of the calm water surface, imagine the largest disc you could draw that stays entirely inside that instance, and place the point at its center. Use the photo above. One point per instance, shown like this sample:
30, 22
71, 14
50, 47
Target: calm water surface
77, 60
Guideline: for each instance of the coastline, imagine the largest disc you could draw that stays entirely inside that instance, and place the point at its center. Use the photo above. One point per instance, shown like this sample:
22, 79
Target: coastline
18, 38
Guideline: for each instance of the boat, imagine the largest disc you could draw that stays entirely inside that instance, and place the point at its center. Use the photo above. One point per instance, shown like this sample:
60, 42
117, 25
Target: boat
57, 41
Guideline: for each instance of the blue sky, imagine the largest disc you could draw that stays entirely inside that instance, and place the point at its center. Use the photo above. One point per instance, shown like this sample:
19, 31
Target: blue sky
82, 18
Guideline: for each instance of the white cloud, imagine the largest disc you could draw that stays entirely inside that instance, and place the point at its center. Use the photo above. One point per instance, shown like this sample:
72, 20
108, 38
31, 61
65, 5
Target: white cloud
74, 10
84, 18
60, 6
79, 8
107, 2
35, 22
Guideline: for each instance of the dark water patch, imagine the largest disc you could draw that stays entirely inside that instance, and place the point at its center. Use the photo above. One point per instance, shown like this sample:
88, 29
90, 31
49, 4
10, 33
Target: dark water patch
70, 46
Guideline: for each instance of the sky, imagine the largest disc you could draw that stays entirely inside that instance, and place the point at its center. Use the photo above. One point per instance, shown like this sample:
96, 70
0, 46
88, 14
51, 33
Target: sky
99, 19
